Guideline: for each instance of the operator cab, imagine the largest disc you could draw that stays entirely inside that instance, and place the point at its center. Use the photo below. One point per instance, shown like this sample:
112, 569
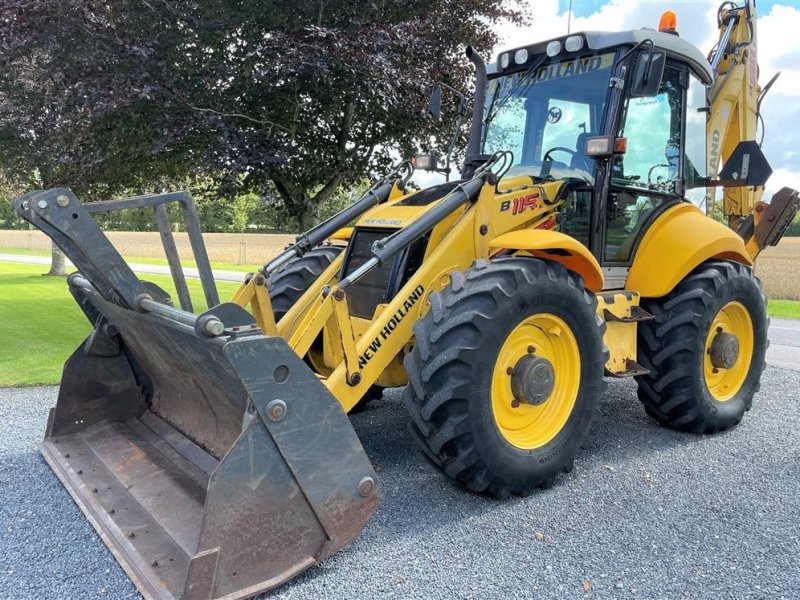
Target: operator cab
546, 101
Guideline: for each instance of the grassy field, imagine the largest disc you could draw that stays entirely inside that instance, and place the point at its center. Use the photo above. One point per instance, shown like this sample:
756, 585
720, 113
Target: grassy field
40, 323
779, 269
223, 248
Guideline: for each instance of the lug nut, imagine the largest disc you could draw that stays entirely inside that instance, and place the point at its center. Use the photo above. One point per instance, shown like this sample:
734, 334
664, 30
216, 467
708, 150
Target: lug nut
510, 371
531, 349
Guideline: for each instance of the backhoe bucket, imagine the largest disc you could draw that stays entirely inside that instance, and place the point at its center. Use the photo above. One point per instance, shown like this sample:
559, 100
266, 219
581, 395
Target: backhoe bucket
209, 458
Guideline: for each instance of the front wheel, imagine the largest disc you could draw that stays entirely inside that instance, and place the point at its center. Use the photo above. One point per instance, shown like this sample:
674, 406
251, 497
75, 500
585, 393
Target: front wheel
705, 349
505, 374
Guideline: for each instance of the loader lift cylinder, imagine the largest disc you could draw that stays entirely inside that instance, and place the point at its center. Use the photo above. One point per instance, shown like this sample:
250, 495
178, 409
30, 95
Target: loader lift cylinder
377, 194
386, 248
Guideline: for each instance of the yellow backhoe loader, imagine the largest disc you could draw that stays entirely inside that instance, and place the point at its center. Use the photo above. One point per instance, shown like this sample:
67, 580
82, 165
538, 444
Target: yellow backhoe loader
212, 452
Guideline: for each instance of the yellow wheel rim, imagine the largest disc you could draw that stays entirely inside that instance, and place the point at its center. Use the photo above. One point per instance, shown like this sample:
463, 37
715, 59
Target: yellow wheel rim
525, 425
723, 383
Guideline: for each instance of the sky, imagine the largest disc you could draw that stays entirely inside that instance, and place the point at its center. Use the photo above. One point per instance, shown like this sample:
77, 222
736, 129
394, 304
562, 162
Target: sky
778, 26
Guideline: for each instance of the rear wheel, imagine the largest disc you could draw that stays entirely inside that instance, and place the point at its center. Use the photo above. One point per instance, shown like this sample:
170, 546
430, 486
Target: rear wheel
505, 374
705, 349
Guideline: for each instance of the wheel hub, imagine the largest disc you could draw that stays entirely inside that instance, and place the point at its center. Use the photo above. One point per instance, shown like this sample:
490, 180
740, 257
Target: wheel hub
532, 380
724, 350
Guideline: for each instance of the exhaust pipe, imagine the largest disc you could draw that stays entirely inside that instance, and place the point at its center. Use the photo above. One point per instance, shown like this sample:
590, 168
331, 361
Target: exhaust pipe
478, 102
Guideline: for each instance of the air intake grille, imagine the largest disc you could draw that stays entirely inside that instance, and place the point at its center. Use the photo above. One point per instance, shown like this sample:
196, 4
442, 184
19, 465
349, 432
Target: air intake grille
374, 288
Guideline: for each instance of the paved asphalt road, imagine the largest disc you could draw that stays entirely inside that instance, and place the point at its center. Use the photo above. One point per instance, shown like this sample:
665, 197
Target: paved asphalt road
647, 513
219, 274
784, 348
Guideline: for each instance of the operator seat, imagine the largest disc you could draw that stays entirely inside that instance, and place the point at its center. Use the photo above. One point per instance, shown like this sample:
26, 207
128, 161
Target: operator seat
579, 159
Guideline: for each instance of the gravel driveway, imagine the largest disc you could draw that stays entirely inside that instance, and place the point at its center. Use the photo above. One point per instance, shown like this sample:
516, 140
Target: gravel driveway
646, 513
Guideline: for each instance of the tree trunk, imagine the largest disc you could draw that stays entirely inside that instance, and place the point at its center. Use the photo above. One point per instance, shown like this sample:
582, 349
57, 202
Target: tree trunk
58, 265
309, 214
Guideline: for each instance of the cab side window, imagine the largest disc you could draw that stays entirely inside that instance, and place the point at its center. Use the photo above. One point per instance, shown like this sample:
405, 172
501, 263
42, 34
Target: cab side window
653, 129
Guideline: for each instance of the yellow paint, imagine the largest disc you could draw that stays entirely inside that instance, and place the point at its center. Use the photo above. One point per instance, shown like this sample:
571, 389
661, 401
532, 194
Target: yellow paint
734, 113
254, 293
342, 234
527, 426
680, 239
346, 337
541, 243
620, 337
723, 384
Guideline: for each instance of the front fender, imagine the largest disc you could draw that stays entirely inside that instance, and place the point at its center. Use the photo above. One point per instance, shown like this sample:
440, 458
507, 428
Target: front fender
557, 247
679, 240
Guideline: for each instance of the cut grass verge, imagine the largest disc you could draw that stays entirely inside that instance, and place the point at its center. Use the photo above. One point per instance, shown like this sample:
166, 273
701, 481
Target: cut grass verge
41, 324
787, 309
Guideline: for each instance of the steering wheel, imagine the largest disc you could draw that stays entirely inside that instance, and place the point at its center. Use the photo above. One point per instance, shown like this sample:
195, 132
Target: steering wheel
650, 172
557, 149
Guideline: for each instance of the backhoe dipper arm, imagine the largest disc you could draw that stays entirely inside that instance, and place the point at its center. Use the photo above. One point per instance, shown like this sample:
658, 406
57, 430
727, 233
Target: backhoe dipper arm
733, 103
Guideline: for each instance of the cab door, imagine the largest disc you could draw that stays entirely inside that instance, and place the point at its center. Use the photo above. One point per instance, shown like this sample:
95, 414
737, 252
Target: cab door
649, 176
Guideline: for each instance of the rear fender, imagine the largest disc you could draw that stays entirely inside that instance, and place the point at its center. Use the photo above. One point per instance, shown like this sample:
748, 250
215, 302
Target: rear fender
556, 247
677, 242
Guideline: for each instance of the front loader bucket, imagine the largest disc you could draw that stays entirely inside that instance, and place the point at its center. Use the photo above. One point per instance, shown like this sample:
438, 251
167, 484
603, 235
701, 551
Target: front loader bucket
212, 462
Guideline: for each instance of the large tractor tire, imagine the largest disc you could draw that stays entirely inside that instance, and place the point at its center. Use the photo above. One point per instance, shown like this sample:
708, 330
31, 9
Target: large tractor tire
705, 349
289, 283
505, 375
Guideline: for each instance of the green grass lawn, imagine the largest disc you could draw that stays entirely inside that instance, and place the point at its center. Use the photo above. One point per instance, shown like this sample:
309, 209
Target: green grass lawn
40, 323
788, 309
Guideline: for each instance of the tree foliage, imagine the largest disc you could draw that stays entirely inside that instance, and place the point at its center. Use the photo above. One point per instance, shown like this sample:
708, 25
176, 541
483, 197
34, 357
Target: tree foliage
293, 97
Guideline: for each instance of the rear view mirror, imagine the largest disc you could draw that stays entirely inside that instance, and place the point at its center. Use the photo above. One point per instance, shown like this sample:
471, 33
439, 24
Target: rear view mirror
435, 103
648, 73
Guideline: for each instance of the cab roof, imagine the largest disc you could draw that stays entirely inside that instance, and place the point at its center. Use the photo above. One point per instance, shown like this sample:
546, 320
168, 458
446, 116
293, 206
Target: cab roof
674, 46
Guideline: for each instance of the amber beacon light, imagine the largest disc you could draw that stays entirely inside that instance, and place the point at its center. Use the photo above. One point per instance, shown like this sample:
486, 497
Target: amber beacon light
668, 22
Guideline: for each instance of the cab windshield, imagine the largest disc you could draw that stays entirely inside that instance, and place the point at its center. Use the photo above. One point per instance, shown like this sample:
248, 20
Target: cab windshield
544, 116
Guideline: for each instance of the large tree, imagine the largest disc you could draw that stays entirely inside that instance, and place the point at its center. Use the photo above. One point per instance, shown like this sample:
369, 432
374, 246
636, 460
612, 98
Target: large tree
300, 97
